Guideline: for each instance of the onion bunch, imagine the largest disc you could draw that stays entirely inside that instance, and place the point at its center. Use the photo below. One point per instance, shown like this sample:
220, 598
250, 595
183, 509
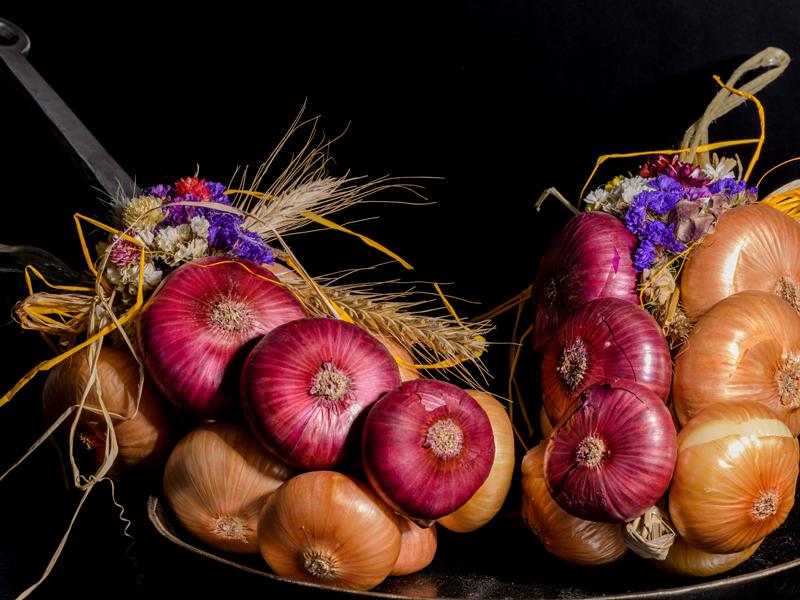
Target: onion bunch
591, 257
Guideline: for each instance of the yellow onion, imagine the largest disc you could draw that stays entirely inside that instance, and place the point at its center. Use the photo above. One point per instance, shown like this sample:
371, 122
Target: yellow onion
488, 500
143, 436
734, 481
544, 424
688, 561
747, 347
754, 247
417, 547
216, 481
572, 539
402, 357
324, 527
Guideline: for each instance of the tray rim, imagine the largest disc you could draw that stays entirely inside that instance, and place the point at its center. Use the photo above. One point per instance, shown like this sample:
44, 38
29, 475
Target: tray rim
156, 508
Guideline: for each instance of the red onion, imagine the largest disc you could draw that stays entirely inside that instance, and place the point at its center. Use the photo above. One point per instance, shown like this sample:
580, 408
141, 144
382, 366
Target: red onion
589, 258
604, 340
197, 327
427, 447
305, 384
613, 457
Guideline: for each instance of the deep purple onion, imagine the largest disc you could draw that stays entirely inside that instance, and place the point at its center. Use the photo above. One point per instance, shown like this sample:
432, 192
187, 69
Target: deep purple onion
613, 457
591, 257
197, 327
305, 384
604, 340
427, 447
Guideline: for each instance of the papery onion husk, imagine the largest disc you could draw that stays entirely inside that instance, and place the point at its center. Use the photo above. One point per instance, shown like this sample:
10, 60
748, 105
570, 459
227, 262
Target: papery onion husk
417, 547
544, 423
612, 457
326, 528
735, 477
405, 362
488, 500
144, 436
585, 543
197, 327
427, 448
754, 247
305, 384
591, 257
604, 340
747, 347
216, 482
687, 561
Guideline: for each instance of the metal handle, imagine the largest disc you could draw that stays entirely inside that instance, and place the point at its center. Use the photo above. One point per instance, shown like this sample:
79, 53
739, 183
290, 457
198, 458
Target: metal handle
95, 160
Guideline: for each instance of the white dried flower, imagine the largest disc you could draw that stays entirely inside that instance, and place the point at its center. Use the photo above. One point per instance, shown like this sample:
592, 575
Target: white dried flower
199, 226
143, 212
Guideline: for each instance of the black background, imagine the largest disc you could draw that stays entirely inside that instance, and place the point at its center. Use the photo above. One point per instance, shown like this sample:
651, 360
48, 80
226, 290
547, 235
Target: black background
498, 100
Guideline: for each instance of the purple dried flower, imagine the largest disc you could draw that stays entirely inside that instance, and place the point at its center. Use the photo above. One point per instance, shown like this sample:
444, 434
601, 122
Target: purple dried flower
729, 186
250, 245
224, 228
159, 191
644, 255
636, 215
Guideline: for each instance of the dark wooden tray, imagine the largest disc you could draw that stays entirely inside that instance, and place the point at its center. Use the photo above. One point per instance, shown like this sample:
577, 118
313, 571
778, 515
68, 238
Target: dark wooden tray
504, 560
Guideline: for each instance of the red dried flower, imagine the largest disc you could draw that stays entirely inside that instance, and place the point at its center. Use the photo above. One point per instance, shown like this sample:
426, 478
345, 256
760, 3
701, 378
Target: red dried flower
686, 174
191, 185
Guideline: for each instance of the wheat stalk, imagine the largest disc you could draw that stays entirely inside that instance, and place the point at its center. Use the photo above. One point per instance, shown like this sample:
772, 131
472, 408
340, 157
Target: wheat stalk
305, 186
430, 337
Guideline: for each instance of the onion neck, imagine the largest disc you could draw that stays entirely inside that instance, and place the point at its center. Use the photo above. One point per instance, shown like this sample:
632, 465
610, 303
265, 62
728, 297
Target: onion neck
789, 290
590, 452
230, 528
787, 378
766, 504
319, 564
573, 364
230, 316
330, 383
445, 439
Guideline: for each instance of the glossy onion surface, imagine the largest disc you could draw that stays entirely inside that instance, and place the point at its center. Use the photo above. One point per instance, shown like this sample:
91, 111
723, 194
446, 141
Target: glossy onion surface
197, 327
747, 347
582, 542
735, 477
604, 340
613, 457
306, 383
754, 247
591, 257
427, 448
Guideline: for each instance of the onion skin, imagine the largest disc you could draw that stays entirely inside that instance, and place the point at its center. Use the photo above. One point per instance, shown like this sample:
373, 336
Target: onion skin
402, 357
427, 448
753, 247
488, 500
308, 426
581, 542
544, 424
144, 437
216, 482
612, 458
196, 328
323, 527
417, 547
735, 477
591, 257
747, 347
604, 340
687, 561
